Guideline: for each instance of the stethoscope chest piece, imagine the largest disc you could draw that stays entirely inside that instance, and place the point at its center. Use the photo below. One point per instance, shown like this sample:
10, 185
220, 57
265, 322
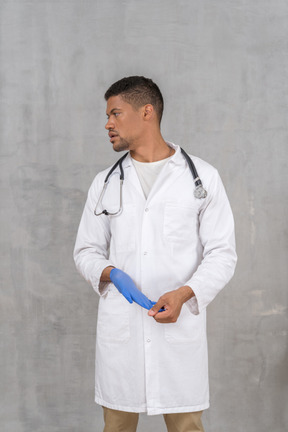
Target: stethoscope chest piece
199, 191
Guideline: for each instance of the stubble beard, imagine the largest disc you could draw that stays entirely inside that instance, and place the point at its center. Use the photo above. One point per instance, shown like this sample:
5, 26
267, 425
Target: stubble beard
121, 145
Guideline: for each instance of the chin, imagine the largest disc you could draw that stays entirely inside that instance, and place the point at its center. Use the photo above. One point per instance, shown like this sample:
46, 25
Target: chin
120, 147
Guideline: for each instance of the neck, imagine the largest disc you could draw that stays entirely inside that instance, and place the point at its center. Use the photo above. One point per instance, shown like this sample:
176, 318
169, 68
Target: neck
152, 150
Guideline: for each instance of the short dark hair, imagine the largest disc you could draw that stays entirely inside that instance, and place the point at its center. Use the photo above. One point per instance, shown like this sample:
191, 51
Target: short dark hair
138, 91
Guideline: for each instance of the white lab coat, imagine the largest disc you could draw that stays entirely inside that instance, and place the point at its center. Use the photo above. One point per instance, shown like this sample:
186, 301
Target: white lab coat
167, 241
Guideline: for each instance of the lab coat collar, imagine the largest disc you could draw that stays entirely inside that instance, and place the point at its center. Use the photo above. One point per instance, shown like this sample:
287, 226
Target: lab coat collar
176, 159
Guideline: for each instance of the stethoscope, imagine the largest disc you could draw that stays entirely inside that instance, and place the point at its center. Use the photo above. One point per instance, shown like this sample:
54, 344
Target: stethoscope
199, 191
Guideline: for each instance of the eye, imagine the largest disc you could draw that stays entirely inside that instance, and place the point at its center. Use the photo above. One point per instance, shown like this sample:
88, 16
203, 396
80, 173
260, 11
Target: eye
116, 114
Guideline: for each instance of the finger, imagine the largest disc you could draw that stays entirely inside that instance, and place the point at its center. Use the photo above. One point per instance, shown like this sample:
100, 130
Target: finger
143, 301
148, 304
164, 317
128, 297
157, 306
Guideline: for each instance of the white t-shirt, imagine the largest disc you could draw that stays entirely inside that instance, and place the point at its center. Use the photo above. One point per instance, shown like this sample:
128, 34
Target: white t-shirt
147, 173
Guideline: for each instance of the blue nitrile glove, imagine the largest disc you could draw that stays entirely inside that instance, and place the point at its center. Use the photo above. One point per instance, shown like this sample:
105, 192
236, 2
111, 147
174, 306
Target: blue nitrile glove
128, 289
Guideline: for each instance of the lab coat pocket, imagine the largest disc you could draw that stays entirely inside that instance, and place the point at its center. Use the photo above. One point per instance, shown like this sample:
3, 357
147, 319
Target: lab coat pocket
186, 329
180, 223
113, 325
123, 230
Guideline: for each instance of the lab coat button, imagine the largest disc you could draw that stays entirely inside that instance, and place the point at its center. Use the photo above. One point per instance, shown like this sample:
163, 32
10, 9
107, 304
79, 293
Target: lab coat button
148, 340
146, 210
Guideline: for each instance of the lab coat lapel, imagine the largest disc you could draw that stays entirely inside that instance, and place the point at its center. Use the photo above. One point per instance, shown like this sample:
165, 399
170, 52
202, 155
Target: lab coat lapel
130, 175
168, 175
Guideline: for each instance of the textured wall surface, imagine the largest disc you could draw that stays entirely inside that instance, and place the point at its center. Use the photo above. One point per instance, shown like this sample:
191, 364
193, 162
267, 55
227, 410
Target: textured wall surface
223, 69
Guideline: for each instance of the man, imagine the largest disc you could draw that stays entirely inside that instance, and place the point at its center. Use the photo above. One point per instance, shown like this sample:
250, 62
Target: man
154, 241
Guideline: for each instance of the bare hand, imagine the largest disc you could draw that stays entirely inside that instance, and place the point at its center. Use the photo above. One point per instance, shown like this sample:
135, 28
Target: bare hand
172, 302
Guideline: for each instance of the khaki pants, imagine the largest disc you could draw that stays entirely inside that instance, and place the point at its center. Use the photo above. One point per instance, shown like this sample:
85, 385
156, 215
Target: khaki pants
121, 421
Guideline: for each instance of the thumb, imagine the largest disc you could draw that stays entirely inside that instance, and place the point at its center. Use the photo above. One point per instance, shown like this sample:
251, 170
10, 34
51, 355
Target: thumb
156, 308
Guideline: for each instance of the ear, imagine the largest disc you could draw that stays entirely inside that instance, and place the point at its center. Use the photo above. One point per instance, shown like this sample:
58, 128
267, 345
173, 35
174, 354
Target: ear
148, 111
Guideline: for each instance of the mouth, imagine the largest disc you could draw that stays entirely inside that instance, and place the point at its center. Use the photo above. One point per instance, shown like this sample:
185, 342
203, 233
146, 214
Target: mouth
112, 136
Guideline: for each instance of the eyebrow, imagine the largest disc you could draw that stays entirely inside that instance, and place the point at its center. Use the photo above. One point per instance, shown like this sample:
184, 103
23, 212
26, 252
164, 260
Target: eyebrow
113, 110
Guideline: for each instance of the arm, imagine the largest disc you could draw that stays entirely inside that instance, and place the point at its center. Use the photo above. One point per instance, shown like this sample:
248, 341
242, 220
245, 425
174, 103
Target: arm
91, 254
92, 243
216, 233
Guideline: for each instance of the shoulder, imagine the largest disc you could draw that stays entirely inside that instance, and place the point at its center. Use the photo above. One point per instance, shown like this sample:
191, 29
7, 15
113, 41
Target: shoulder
97, 184
209, 177
204, 168
101, 176
112, 172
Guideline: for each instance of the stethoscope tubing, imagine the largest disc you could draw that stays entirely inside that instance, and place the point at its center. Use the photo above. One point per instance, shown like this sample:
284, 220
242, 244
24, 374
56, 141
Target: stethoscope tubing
193, 170
199, 191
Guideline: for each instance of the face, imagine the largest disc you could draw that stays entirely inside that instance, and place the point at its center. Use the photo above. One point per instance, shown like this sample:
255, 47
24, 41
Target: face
124, 124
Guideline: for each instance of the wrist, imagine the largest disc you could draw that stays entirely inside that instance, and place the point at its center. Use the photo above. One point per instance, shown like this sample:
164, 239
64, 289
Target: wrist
105, 276
185, 293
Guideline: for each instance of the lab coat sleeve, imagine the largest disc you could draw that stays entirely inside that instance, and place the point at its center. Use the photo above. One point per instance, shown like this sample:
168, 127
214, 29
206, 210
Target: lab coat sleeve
216, 231
92, 242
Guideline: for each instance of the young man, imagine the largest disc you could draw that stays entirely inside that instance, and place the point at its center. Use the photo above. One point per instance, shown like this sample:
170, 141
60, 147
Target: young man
152, 240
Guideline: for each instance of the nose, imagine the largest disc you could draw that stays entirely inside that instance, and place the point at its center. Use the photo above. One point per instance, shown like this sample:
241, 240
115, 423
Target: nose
109, 124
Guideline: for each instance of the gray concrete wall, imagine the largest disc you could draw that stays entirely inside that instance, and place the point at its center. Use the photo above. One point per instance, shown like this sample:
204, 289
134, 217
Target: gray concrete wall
222, 66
